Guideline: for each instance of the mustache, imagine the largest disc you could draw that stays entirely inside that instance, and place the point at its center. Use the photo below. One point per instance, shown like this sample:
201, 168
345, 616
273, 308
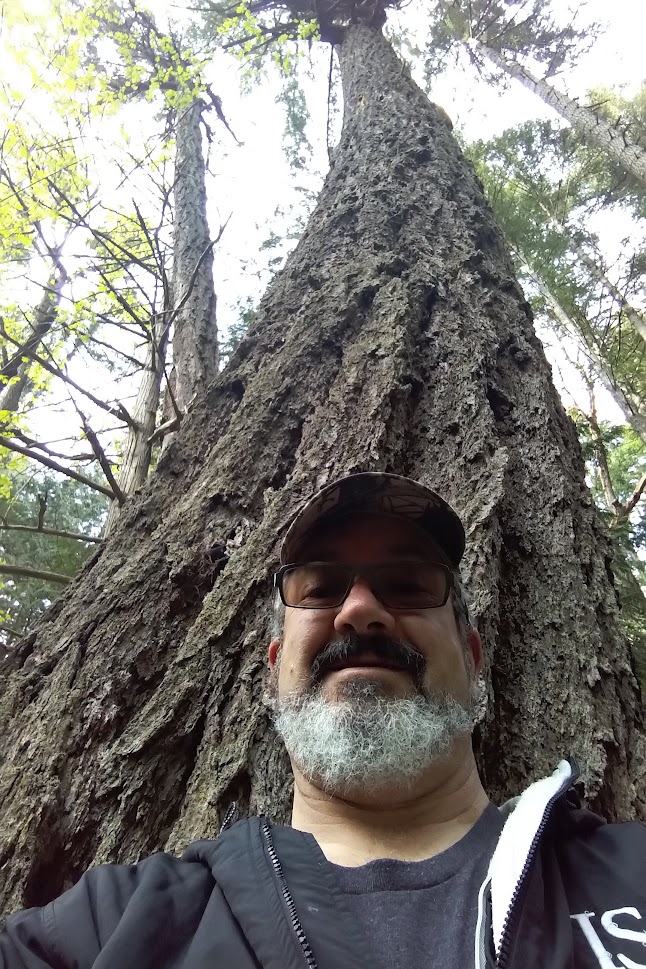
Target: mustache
393, 651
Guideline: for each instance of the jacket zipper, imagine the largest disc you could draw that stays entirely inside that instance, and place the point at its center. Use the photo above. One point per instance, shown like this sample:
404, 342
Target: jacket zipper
299, 931
229, 817
505, 937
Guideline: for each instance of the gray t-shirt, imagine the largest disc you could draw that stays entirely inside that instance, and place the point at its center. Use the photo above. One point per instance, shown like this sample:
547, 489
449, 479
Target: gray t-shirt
422, 914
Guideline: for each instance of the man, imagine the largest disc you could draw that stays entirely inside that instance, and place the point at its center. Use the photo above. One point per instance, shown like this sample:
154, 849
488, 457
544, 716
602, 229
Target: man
395, 856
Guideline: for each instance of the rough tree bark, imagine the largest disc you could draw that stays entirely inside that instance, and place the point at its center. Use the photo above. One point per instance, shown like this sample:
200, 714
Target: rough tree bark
195, 345
611, 137
395, 338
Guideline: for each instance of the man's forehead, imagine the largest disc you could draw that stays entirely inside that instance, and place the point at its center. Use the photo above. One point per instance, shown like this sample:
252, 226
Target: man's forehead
393, 536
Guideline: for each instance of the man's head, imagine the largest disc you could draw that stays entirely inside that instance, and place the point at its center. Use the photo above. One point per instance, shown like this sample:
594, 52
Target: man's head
372, 676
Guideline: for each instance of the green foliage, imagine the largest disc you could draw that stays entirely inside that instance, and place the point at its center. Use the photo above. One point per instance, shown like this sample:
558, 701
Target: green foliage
540, 200
626, 459
295, 141
237, 331
69, 506
601, 180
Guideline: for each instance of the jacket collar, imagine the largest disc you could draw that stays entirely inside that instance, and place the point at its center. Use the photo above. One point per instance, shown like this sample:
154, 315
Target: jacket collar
526, 816
242, 869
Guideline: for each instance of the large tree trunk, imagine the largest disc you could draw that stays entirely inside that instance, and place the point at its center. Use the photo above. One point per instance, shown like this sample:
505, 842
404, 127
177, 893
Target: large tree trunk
610, 137
195, 345
137, 453
634, 415
395, 338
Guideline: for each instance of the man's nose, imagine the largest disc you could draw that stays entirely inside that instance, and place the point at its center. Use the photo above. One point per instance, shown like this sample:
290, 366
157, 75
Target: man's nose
362, 612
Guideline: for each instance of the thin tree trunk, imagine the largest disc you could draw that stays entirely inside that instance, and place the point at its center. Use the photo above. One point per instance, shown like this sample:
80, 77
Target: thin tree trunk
137, 453
396, 338
610, 137
195, 345
17, 369
633, 315
634, 417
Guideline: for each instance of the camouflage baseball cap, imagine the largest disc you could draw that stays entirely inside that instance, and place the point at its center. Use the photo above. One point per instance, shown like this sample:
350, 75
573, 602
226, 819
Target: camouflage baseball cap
378, 493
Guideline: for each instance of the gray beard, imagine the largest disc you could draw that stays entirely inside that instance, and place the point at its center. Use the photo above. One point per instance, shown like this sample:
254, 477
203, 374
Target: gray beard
367, 739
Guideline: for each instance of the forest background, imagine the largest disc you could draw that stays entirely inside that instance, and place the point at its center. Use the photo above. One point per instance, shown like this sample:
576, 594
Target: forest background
98, 355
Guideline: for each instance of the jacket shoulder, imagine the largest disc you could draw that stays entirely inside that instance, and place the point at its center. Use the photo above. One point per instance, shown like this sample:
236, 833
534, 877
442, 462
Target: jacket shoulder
75, 927
602, 861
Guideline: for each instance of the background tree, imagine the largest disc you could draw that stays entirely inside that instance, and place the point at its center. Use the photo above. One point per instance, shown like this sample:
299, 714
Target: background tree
396, 337
58, 548
542, 204
504, 34
143, 288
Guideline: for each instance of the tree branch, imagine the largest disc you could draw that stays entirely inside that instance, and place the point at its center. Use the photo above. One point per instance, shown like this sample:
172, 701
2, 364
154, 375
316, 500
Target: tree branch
55, 532
640, 487
614, 505
10, 631
12, 446
25, 572
100, 455
191, 283
31, 442
119, 411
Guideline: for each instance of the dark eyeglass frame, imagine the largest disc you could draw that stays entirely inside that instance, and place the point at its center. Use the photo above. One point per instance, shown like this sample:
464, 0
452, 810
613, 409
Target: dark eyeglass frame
356, 569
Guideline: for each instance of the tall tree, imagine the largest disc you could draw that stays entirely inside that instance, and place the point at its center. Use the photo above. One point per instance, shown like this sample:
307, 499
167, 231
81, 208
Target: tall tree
503, 33
396, 338
542, 205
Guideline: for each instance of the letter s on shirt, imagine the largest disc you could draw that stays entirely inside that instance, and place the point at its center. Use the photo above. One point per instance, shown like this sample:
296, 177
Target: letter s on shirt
630, 935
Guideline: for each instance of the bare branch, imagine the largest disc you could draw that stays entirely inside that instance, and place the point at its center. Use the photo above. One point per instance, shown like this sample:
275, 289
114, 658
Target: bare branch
12, 446
32, 442
10, 631
24, 572
612, 501
640, 487
119, 411
191, 283
55, 532
100, 455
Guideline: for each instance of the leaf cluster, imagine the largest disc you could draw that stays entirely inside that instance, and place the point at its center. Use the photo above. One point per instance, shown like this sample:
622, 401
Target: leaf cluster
26, 498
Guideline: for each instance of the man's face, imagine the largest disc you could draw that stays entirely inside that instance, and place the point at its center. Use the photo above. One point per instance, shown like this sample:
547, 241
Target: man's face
365, 695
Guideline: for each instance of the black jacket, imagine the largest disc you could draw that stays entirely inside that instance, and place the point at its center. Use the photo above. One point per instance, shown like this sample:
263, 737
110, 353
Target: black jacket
564, 891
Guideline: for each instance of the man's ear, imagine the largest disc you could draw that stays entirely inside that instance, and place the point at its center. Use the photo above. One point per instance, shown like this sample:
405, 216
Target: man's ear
274, 646
475, 645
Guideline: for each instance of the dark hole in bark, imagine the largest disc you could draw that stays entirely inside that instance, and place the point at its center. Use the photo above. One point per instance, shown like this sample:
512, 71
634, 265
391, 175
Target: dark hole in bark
500, 404
366, 296
239, 790
237, 389
214, 502
432, 297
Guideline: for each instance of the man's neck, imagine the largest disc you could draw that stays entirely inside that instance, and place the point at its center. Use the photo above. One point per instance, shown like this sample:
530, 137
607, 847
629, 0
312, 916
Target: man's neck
411, 826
